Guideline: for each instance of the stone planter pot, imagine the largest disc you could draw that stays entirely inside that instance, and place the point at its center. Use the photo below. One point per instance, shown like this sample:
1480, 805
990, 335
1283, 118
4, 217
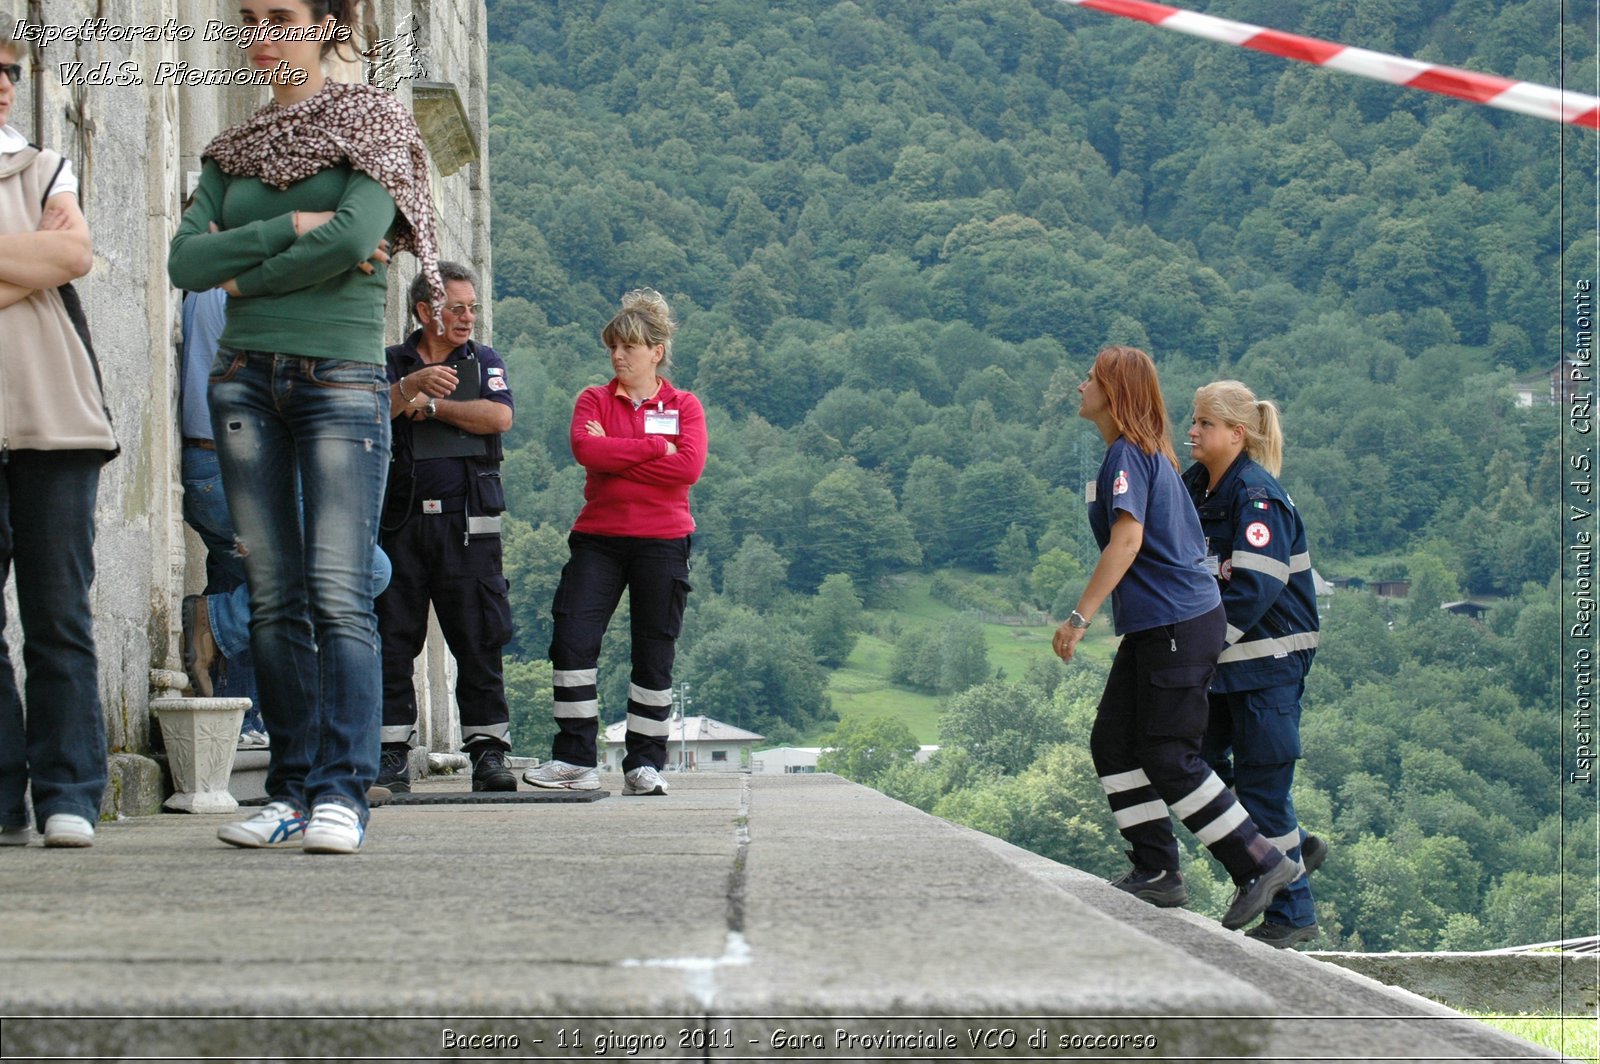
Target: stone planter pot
201, 735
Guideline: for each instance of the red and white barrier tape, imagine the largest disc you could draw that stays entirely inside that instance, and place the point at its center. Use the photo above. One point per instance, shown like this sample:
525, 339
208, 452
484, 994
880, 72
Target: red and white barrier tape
1523, 97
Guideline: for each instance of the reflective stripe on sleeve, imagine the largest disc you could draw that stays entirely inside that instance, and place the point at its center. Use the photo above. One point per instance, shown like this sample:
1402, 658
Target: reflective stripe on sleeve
1269, 647
1261, 563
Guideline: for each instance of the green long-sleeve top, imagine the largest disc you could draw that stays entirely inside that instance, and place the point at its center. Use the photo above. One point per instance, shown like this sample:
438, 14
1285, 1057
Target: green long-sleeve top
298, 295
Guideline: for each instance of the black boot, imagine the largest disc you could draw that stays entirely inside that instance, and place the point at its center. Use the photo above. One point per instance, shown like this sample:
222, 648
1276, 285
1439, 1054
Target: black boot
394, 768
490, 772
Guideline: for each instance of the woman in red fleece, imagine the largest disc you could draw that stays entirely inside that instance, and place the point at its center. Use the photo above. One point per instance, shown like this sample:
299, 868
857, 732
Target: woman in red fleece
643, 443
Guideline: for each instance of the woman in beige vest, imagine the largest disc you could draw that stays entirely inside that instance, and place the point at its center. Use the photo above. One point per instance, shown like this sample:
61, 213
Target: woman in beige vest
54, 436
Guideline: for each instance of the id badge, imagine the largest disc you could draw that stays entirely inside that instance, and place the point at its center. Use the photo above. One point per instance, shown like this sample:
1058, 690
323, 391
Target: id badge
1213, 566
660, 422
1091, 491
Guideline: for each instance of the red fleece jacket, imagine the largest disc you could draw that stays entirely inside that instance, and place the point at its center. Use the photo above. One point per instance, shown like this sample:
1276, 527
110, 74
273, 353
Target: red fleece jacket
635, 488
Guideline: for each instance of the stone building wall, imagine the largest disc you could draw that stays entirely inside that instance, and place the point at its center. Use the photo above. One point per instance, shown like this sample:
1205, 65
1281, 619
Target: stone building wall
133, 147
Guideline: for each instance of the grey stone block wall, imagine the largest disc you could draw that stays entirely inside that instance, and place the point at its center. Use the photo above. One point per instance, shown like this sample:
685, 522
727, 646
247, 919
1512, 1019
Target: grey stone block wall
132, 147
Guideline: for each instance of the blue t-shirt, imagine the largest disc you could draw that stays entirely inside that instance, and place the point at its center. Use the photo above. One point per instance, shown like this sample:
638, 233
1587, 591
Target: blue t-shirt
1168, 581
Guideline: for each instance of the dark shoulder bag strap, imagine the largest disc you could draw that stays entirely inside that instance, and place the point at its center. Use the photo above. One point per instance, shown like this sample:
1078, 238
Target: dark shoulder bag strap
80, 321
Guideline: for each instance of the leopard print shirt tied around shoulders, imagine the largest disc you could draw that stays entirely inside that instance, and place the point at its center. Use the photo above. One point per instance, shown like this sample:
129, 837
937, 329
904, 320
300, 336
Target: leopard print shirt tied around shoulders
362, 125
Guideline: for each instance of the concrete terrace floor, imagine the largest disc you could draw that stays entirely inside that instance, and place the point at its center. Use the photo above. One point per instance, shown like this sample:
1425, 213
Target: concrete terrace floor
738, 917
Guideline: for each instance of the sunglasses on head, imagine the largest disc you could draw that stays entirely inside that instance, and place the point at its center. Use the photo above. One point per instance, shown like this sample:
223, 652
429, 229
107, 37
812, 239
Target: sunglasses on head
12, 71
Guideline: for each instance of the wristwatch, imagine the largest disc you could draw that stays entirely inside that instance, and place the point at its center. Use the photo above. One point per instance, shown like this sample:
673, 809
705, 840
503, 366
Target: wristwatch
432, 408
1077, 620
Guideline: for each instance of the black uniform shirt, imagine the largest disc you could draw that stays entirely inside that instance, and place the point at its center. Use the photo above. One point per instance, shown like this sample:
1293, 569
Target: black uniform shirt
437, 478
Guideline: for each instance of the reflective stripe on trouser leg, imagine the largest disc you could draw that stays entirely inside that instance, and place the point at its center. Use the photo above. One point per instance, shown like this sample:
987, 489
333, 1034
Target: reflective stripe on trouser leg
587, 595
576, 707
1113, 744
658, 589
398, 733
649, 724
1133, 800
499, 734
1207, 808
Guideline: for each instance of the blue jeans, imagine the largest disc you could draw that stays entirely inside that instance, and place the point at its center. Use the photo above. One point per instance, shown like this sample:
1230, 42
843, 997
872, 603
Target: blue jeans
227, 595
283, 420
47, 527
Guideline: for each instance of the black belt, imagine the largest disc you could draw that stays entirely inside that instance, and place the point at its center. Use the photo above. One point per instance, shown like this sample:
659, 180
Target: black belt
195, 441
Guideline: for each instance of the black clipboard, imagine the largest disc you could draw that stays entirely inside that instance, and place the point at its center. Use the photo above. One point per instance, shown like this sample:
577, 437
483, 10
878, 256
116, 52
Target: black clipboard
435, 439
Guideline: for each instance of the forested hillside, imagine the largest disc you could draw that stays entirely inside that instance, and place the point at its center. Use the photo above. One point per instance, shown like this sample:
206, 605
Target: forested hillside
896, 232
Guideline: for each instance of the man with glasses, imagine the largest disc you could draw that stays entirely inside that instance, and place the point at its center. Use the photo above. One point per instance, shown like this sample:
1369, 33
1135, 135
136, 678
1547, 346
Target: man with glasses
450, 402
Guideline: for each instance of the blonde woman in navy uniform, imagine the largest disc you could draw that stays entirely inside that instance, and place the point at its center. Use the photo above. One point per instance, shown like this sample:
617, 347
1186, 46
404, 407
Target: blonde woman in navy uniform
1256, 547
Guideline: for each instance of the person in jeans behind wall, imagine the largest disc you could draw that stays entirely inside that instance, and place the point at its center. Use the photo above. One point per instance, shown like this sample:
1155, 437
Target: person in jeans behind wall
298, 396
1147, 730
642, 443
54, 437
216, 634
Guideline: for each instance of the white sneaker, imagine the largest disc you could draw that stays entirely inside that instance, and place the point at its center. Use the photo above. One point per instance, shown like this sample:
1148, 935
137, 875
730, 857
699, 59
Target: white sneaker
334, 828
277, 824
643, 780
68, 829
560, 776
253, 740
20, 835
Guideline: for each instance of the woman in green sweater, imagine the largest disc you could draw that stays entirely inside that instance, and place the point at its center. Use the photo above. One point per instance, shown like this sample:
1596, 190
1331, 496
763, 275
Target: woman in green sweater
291, 205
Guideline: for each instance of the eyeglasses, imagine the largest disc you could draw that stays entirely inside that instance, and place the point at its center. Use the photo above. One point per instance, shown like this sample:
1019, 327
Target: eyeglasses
462, 308
12, 71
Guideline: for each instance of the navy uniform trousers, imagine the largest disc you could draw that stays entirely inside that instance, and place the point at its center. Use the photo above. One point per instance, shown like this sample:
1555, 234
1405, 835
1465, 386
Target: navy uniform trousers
1261, 729
1146, 749
655, 573
436, 561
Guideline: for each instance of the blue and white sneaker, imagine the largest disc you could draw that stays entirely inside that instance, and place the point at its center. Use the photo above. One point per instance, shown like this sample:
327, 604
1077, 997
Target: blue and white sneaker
334, 828
277, 824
